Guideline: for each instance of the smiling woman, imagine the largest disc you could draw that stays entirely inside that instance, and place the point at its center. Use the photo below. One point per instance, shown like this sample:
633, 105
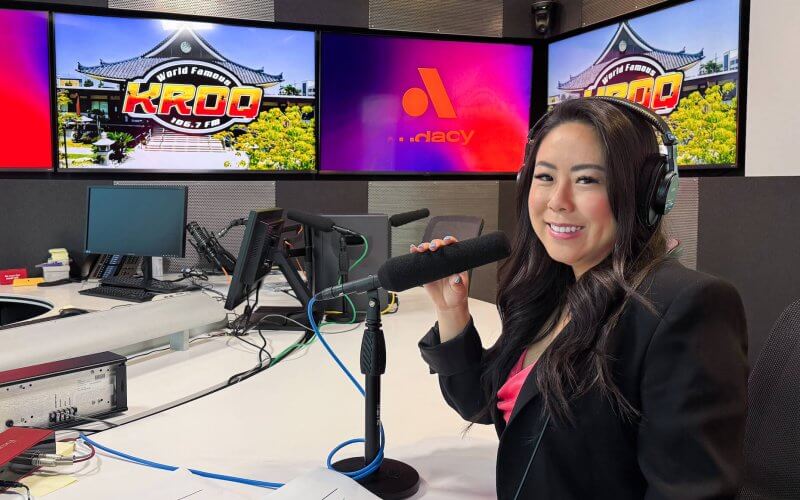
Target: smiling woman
619, 373
568, 201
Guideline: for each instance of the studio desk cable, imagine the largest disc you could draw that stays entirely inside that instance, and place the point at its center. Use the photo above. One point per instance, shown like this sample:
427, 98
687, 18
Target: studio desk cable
355, 475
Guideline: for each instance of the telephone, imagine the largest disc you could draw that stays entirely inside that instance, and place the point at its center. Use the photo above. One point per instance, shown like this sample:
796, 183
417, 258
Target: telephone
99, 266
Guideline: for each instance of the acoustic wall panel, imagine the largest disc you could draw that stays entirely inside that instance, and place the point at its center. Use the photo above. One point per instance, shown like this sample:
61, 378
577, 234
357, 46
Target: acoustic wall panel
681, 223
39, 214
478, 198
596, 11
463, 17
748, 235
213, 205
259, 10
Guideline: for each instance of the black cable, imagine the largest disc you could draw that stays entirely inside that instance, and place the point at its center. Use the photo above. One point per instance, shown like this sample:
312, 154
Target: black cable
92, 420
263, 349
89, 431
15, 484
533, 454
148, 353
167, 348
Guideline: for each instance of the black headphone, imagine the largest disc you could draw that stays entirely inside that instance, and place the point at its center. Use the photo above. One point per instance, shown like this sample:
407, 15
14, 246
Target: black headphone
663, 186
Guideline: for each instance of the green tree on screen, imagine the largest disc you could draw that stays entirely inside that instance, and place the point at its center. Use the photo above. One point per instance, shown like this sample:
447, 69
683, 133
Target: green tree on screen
62, 102
705, 125
711, 67
290, 90
277, 140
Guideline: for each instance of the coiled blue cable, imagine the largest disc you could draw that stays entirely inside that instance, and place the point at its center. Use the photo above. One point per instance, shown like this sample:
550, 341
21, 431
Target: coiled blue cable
376, 463
355, 475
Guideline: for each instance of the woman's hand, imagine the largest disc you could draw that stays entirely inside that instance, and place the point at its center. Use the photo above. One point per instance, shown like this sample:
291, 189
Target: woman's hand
449, 295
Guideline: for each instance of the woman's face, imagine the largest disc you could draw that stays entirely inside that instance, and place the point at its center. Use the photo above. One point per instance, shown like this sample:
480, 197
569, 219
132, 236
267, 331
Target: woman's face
568, 201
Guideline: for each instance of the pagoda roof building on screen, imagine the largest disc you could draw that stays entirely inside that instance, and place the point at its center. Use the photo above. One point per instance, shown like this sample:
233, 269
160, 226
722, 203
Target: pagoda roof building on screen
626, 42
184, 43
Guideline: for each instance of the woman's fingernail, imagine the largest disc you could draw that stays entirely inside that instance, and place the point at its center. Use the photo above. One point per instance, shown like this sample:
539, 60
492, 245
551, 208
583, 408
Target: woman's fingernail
433, 246
457, 280
413, 247
448, 238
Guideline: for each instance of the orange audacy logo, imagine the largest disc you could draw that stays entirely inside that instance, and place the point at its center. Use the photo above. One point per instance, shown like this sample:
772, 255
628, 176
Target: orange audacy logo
416, 101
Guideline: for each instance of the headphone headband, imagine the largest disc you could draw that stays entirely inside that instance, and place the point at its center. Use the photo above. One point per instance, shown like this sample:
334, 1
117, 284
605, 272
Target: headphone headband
658, 123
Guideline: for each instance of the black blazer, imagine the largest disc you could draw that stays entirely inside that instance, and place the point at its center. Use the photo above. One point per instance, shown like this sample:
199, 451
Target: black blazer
686, 372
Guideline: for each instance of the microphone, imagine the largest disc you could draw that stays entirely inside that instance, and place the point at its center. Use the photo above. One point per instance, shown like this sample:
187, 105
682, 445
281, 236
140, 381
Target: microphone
235, 222
415, 269
202, 242
397, 220
207, 246
318, 222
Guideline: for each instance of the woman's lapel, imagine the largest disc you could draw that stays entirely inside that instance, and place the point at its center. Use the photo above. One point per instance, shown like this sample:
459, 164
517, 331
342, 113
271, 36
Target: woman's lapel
527, 394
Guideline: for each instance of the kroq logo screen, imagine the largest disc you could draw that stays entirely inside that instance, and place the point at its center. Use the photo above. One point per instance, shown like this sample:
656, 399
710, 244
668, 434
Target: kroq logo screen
681, 62
393, 104
166, 95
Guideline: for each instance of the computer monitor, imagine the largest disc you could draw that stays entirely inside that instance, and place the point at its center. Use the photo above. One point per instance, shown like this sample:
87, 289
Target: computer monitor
262, 236
329, 261
145, 221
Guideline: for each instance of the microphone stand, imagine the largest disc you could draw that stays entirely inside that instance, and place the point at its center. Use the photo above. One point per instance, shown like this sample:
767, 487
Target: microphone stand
394, 479
343, 276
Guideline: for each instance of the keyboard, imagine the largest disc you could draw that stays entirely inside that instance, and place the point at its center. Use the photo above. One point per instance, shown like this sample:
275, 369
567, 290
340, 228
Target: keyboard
153, 286
119, 293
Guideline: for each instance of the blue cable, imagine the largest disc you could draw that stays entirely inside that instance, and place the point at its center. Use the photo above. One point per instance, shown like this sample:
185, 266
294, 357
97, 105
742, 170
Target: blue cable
355, 475
234, 479
376, 463
140, 461
172, 468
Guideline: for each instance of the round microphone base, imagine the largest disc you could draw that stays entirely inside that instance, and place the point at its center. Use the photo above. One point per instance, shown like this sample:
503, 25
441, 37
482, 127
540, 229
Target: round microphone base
393, 480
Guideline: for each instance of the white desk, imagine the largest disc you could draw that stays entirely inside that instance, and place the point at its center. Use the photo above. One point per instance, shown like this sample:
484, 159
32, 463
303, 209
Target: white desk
284, 421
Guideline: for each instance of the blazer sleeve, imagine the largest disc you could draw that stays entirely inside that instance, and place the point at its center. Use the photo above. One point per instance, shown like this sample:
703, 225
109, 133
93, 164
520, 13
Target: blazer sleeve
459, 363
694, 396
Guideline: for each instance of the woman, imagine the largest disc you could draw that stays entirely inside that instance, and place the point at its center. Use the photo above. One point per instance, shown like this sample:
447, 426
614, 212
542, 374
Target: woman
619, 373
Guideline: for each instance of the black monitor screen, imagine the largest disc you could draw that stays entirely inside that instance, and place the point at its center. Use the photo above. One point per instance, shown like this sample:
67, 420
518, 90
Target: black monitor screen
262, 235
137, 220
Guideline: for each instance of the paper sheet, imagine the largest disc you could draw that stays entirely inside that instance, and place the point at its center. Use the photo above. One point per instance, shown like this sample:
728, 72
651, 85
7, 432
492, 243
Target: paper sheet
44, 485
322, 484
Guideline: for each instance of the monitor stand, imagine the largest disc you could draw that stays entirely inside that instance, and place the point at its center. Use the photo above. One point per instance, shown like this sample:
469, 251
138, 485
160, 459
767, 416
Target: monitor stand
296, 313
146, 282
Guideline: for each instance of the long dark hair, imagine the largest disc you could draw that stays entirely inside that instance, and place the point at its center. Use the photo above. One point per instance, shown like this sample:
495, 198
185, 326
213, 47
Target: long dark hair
533, 286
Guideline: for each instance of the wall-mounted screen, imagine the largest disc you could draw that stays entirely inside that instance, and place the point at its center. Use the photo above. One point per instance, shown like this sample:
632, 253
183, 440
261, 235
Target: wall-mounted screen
406, 105
25, 130
159, 95
682, 62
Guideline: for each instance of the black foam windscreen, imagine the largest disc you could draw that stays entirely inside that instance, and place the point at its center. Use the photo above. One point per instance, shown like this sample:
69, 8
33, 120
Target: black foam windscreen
415, 269
317, 222
407, 217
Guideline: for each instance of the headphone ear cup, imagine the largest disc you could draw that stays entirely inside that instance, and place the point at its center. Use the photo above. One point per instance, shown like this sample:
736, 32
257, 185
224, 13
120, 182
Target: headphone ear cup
652, 207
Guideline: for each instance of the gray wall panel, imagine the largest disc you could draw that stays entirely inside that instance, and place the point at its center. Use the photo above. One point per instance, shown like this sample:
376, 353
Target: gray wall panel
260, 10
213, 205
596, 11
39, 214
464, 17
316, 197
335, 13
681, 223
749, 236
477, 198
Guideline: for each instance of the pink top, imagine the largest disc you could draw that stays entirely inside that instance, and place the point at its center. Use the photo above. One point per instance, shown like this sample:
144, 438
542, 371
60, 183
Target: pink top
507, 395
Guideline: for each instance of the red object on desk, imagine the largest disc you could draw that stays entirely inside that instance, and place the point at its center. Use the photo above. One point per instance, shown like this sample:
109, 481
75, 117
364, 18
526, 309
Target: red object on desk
7, 276
16, 441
